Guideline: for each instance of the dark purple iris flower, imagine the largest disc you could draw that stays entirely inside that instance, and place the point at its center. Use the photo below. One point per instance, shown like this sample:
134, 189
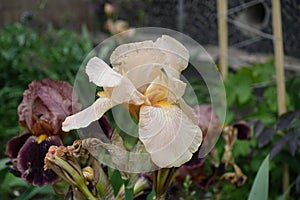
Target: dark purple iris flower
44, 107
28, 158
243, 130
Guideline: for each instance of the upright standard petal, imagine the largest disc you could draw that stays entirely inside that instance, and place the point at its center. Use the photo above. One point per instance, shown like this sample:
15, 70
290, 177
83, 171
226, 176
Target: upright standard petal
165, 51
176, 89
168, 134
165, 88
125, 92
101, 74
45, 105
88, 115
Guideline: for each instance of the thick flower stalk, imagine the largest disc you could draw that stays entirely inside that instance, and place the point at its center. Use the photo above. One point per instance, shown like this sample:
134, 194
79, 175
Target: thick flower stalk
145, 78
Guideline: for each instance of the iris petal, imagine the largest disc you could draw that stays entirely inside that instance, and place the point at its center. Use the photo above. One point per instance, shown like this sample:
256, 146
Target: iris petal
165, 50
45, 105
101, 74
168, 135
31, 161
87, 116
15, 144
127, 93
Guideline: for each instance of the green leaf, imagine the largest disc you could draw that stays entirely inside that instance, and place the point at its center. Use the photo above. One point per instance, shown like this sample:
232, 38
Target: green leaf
10, 181
151, 194
128, 193
3, 162
286, 193
260, 187
241, 148
116, 181
243, 89
29, 194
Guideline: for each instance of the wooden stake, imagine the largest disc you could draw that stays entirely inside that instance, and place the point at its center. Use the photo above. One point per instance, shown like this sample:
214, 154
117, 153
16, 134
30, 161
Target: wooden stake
223, 36
280, 80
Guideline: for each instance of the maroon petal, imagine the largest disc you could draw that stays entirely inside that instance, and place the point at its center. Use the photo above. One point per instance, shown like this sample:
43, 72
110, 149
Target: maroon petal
31, 161
69, 97
14, 145
194, 168
106, 127
207, 118
45, 106
243, 129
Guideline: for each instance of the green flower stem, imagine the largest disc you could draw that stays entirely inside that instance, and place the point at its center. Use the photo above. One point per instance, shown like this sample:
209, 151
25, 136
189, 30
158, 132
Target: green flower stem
125, 192
73, 177
161, 197
86, 192
141, 185
162, 179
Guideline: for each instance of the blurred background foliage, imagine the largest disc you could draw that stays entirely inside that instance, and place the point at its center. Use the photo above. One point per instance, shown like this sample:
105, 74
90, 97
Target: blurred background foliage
27, 55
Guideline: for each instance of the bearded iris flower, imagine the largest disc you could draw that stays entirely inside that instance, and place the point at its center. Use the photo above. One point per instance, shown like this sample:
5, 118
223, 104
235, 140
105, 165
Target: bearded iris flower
145, 78
44, 107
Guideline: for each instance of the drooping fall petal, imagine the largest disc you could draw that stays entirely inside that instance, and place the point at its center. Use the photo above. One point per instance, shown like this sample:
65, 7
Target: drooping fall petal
117, 90
31, 161
168, 135
14, 145
90, 114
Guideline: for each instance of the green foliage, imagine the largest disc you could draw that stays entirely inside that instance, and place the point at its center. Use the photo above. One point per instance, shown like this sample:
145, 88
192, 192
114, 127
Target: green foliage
260, 187
151, 194
27, 55
116, 180
251, 95
37, 191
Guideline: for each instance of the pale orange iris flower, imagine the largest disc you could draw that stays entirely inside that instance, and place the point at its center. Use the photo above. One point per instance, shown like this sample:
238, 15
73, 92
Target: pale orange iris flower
146, 78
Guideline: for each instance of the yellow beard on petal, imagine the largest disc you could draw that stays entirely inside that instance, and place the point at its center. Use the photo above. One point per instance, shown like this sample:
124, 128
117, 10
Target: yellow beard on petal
41, 138
101, 94
164, 104
156, 93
